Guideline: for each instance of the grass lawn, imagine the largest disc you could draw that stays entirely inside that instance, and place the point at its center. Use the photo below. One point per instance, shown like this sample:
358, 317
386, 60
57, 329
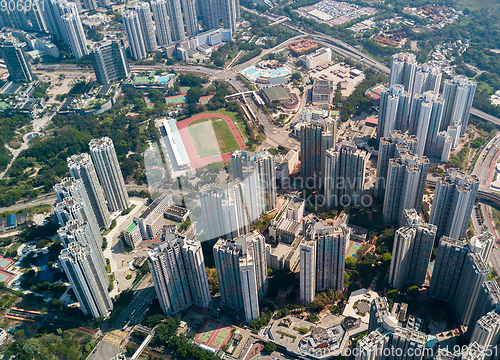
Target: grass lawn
225, 137
204, 139
241, 124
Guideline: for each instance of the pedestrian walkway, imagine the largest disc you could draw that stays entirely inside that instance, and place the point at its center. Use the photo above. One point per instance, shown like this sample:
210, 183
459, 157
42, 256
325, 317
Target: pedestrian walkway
113, 236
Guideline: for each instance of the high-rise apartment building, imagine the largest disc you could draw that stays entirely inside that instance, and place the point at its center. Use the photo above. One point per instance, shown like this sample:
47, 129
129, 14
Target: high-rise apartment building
109, 61
174, 11
427, 78
162, 22
225, 211
391, 147
307, 273
81, 167
379, 309
53, 12
488, 300
411, 252
458, 278
483, 244
146, 22
425, 121
75, 35
345, 168
446, 274
486, 332
82, 232
403, 68
11, 51
178, 269
458, 95
454, 199
135, 36
74, 209
110, 176
258, 172
315, 139
190, 17
405, 185
87, 4
395, 105
74, 189
242, 272
322, 259
91, 289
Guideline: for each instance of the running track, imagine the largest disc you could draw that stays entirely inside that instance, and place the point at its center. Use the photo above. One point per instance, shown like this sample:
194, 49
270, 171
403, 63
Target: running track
194, 158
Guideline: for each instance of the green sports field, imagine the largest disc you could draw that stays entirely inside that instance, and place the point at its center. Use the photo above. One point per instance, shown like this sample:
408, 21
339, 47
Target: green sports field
207, 332
221, 337
204, 139
225, 137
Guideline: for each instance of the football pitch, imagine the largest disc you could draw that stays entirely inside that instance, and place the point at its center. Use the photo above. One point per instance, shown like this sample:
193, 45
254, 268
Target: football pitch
225, 137
204, 139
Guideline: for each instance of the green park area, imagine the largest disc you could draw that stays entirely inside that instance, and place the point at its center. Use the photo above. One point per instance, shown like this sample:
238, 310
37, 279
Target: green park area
225, 138
204, 139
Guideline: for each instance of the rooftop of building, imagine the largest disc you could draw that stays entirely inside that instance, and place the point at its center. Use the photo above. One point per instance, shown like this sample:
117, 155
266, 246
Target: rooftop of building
131, 227
276, 93
176, 210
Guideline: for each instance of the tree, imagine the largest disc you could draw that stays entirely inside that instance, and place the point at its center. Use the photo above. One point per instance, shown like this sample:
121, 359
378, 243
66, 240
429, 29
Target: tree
270, 347
413, 291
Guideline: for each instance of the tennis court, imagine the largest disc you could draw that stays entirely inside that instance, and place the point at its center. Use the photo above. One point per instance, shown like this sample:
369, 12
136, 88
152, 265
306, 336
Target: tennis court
178, 99
148, 102
353, 249
204, 139
5, 276
222, 337
5, 262
205, 334
205, 99
213, 334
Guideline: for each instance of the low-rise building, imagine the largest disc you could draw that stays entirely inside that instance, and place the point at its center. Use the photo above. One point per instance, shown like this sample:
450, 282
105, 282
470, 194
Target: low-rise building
284, 230
323, 91
318, 58
132, 235
176, 213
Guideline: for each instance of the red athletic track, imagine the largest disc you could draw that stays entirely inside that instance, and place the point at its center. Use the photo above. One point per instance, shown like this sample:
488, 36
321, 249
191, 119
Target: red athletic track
194, 158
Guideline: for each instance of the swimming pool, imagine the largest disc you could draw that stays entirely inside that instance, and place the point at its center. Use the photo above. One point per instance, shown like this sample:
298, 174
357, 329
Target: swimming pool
165, 79
251, 71
255, 73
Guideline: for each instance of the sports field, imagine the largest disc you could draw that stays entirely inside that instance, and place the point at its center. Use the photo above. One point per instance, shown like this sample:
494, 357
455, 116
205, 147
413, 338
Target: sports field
353, 249
225, 137
148, 102
217, 130
178, 99
204, 139
213, 334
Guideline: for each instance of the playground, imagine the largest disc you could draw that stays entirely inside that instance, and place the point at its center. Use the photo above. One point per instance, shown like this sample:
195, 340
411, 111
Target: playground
213, 334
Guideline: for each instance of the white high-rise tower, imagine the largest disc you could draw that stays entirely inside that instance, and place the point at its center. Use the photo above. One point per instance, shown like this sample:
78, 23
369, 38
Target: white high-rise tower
134, 35
109, 172
162, 22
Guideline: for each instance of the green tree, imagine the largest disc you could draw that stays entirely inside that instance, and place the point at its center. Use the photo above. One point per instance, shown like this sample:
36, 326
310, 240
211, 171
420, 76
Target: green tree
413, 291
270, 347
